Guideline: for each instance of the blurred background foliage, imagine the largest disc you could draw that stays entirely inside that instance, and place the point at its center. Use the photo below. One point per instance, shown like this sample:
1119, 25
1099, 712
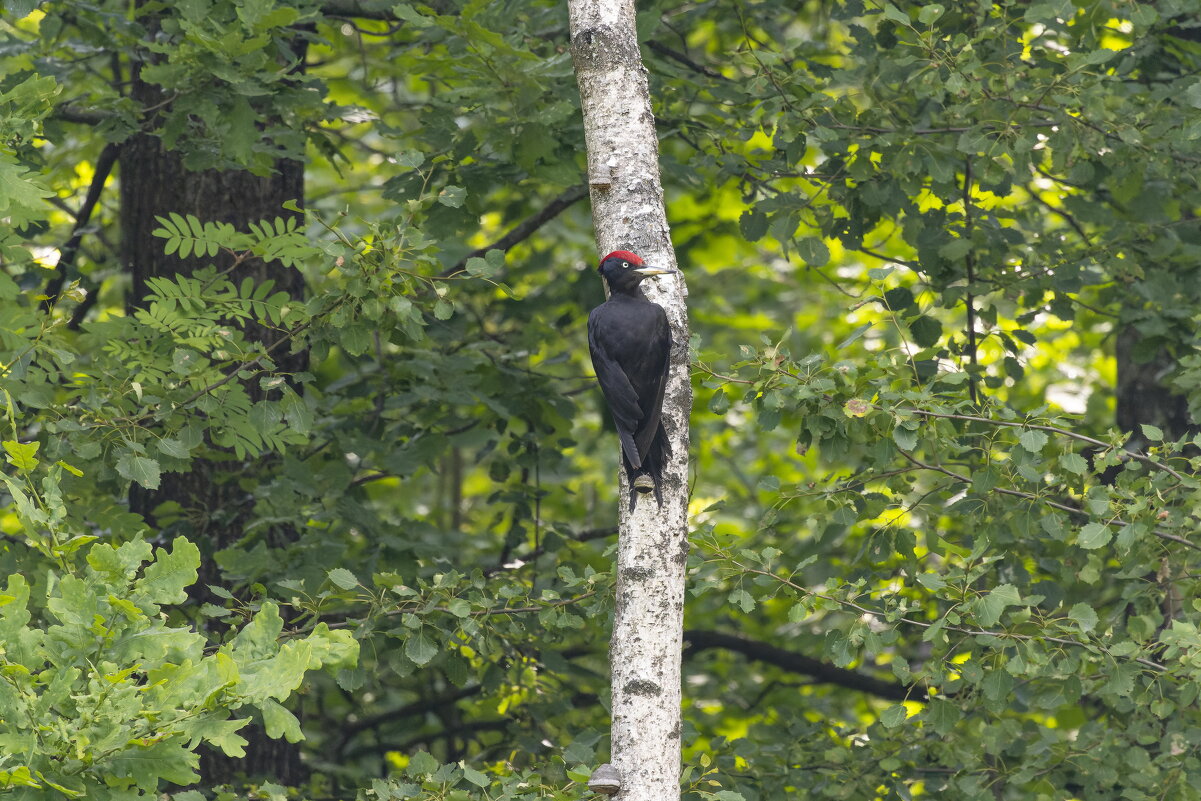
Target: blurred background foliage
299, 289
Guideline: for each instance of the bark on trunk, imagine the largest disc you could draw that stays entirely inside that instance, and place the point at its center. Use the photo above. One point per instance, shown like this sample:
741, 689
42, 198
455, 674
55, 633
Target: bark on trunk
154, 181
628, 214
1143, 395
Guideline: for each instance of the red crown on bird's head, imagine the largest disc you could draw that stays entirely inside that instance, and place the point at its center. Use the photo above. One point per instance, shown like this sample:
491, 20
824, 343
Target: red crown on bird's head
624, 255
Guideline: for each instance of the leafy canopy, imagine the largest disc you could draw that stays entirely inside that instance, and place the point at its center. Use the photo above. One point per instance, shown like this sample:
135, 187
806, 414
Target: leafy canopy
922, 242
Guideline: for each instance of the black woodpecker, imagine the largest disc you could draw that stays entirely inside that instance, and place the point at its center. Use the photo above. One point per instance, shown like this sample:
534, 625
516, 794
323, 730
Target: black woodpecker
630, 342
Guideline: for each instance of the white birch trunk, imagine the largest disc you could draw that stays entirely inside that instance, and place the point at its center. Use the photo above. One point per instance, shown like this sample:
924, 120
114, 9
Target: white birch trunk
628, 214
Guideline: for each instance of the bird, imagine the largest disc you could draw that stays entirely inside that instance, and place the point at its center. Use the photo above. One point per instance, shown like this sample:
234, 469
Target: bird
630, 343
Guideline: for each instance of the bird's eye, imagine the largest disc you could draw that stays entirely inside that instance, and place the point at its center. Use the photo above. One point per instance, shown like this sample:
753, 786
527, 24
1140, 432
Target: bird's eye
625, 265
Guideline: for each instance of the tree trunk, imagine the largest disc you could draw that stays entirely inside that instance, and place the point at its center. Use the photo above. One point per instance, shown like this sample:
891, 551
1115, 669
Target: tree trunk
1143, 395
628, 214
154, 182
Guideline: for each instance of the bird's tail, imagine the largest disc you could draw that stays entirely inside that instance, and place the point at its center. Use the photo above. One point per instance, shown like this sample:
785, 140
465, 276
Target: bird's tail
649, 478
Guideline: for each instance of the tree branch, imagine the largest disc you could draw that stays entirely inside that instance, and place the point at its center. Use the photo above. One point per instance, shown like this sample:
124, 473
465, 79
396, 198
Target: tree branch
999, 634
521, 561
69, 112
704, 639
406, 746
349, 730
66, 257
970, 265
527, 227
1030, 496
358, 9
1056, 210
674, 55
1135, 455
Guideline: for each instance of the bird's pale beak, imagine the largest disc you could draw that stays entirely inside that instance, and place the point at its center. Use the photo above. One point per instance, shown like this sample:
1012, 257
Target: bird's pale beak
647, 270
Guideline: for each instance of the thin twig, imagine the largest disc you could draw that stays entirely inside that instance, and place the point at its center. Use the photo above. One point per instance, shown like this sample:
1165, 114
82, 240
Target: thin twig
675, 55
527, 227
525, 559
1056, 210
1030, 496
1138, 457
66, 258
970, 265
958, 629
356, 9
702, 639
912, 265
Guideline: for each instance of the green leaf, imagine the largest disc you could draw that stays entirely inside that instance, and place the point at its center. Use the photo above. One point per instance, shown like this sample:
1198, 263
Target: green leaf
475, 777
257, 639
813, 251
479, 268
170, 446
904, 438
743, 599
22, 198
1123, 648
930, 13
420, 648
1033, 440
931, 581
342, 578
1073, 463
926, 331
943, 715
896, 15
898, 299
421, 764
412, 16
753, 224
1152, 433
410, 158
894, 716
166, 580
858, 332
20, 9
21, 454
997, 684
1192, 95
452, 196
280, 722
989, 608
1084, 616
720, 402
956, 249
1093, 536
141, 469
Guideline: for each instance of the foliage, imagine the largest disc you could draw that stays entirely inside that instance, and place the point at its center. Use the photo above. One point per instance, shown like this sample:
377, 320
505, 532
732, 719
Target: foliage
106, 695
926, 248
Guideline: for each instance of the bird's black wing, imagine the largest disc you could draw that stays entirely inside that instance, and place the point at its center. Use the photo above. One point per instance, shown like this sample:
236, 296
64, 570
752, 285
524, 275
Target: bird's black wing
659, 354
618, 391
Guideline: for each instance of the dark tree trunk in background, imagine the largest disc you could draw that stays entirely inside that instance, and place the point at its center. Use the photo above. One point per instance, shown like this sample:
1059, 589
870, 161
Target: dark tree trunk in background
1143, 394
1145, 397
154, 182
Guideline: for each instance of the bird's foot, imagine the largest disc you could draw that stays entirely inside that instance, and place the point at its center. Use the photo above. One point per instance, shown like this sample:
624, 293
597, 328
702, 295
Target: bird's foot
644, 484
